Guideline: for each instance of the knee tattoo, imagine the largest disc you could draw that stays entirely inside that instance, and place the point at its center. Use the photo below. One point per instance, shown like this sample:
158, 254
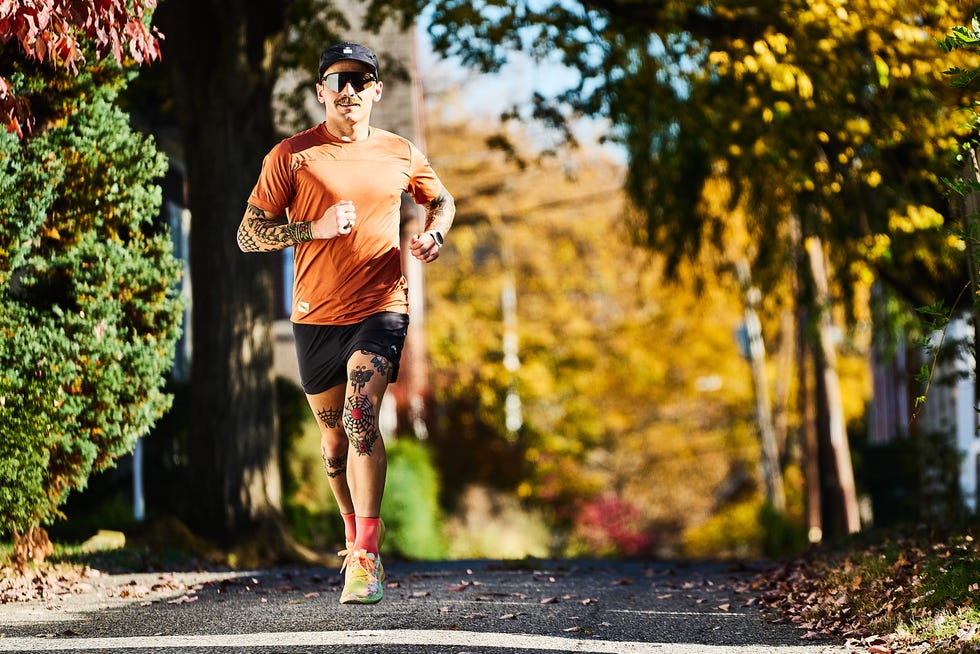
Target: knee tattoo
360, 424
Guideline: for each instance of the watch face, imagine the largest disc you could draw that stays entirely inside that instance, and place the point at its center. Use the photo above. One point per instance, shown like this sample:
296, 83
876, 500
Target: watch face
438, 237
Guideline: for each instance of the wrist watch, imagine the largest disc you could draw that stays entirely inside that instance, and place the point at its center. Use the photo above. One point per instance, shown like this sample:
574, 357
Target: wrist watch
437, 236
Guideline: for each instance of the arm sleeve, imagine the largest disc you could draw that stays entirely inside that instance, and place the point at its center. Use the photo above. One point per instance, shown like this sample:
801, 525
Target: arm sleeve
424, 185
273, 191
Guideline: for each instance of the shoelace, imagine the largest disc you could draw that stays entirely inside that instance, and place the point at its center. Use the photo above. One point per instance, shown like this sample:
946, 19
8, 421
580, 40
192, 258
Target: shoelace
347, 553
370, 565
364, 566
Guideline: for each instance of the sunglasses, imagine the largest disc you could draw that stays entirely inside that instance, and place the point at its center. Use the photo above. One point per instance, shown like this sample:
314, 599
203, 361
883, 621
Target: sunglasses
336, 82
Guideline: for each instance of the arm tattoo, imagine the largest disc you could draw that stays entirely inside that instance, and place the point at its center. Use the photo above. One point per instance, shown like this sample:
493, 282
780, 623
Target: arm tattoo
260, 234
440, 212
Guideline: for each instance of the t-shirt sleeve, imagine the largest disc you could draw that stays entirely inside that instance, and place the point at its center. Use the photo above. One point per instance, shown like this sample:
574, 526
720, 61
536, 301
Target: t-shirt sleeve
273, 191
424, 184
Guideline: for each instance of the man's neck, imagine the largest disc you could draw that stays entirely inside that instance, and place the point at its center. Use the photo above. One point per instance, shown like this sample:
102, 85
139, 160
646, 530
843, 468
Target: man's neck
348, 132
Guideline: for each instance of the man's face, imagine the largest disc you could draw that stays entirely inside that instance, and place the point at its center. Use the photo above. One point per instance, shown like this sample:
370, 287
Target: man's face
355, 95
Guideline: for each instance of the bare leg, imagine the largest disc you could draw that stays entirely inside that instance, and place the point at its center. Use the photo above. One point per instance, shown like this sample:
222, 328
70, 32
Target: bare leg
328, 409
367, 461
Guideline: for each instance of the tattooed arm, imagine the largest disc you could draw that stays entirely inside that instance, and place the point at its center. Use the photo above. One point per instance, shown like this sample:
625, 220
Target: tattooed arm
260, 231
439, 213
439, 216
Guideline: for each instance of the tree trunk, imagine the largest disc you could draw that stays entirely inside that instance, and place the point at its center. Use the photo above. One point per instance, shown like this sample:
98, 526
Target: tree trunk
810, 440
771, 465
827, 370
215, 54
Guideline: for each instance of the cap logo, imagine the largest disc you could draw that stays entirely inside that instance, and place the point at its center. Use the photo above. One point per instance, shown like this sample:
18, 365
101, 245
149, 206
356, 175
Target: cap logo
348, 51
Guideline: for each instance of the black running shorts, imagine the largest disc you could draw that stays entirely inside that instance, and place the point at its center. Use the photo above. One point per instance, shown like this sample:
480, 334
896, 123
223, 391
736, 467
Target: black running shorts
323, 351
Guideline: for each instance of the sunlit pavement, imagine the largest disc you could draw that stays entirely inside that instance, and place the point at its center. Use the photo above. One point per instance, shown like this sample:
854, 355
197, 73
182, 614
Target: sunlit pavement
432, 608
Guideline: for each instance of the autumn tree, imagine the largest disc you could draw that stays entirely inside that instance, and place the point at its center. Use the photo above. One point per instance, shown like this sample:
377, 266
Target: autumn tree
829, 120
59, 32
88, 310
634, 431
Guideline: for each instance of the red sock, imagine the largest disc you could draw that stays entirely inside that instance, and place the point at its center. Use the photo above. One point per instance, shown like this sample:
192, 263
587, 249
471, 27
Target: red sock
367, 534
350, 527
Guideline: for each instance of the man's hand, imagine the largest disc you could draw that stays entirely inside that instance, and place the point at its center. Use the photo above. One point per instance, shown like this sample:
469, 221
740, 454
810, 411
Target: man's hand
424, 247
338, 220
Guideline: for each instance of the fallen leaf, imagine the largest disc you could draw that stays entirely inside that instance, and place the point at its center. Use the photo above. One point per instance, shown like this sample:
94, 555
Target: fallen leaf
184, 599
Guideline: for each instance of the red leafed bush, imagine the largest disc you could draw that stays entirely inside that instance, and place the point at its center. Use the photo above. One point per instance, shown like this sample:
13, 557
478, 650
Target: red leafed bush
58, 31
612, 526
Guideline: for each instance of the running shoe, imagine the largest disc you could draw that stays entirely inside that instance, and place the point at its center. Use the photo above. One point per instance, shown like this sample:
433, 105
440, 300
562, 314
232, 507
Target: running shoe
348, 551
362, 584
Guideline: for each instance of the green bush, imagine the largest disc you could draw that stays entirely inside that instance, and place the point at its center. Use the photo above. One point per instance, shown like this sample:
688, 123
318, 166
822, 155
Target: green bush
411, 502
88, 309
308, 504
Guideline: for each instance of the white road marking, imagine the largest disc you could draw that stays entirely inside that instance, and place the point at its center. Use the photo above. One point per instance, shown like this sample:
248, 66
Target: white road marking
716, 614
357, 639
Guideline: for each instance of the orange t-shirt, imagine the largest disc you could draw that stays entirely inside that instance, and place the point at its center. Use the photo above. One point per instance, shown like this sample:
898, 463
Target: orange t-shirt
343, 280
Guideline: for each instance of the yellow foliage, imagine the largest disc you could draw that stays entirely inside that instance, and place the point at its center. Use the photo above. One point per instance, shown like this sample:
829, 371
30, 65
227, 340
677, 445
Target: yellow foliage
955, 242
782, 79
916, 217
778, 43
718, 58
804, 85
613, 356
734, 532
876, 246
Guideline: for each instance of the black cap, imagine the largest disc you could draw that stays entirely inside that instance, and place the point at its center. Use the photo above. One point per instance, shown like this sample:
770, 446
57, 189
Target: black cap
349, 52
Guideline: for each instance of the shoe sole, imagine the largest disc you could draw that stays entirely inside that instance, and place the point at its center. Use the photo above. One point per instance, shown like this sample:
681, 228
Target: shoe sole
361, 600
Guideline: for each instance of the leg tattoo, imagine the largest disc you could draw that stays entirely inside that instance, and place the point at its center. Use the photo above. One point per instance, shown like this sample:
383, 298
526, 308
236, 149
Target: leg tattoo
359, 424
335, 465
360, 418
329, 417
382, 365
359, 377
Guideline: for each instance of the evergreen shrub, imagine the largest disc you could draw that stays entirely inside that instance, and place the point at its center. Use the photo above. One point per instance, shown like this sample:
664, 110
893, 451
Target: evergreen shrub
89, 313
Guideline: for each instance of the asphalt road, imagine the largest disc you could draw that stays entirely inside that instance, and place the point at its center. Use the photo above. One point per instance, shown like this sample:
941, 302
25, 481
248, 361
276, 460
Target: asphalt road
459, 607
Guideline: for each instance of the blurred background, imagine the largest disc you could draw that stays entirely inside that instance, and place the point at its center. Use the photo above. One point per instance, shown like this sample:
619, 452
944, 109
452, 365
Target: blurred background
707, 293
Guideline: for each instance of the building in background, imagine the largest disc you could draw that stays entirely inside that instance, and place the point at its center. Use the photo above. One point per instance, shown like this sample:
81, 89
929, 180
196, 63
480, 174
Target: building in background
924, 462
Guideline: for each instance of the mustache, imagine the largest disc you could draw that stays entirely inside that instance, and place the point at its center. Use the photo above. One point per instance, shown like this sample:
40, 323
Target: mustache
347, 102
